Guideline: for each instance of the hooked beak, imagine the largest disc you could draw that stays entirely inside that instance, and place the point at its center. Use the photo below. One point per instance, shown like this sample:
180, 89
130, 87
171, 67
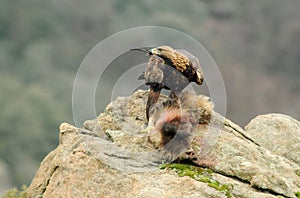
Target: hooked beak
155, 51
148, 52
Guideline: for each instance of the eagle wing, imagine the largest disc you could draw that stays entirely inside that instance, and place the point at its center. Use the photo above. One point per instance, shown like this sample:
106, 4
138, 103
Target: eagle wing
154, 73
194, 61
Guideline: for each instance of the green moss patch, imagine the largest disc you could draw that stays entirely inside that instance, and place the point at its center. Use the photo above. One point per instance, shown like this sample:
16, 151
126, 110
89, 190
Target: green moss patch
200, 174
15, 193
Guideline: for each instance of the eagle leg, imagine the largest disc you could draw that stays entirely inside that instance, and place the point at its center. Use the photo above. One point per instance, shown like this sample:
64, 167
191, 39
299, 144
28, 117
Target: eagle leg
152, 99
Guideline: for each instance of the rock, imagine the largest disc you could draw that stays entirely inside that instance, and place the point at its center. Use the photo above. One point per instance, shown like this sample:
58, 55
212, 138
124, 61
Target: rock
118, 161
278, 133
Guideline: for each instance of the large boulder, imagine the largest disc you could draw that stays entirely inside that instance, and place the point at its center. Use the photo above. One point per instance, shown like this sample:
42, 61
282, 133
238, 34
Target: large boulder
111, 157
277, 133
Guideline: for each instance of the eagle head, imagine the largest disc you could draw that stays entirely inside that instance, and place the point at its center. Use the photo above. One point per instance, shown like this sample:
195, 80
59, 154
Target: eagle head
162, 51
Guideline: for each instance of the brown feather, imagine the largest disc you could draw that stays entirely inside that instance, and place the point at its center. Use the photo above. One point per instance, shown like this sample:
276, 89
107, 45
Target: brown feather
183, 62
158, 75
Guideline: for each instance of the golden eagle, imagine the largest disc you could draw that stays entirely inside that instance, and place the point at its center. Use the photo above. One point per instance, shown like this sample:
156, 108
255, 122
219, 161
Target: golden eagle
185, 68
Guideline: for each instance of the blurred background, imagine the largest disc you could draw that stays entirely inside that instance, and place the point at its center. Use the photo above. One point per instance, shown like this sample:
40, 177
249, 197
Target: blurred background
256, 45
